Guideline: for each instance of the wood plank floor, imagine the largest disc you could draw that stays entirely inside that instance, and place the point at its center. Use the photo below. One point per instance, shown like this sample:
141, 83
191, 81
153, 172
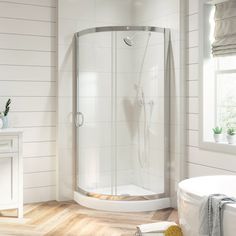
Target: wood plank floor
70, 219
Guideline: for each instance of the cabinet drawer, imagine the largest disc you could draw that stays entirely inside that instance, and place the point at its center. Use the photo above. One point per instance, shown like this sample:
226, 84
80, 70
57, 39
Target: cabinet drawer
9, 178
8, 144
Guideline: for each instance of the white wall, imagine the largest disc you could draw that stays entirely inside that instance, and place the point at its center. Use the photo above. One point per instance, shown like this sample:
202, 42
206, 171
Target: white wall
98, 102
74, 16
199, 161
28, 66
170, 14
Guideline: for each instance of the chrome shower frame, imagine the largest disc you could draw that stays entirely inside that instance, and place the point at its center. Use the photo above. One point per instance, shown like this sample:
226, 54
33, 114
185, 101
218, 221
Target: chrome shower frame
167, 114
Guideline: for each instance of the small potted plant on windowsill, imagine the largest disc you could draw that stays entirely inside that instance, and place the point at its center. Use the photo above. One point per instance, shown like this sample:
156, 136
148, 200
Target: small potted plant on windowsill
231, 135
217, 134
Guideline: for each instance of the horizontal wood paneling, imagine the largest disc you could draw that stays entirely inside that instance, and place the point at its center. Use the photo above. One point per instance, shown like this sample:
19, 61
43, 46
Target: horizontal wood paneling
27, 42
30, 104
32, 119
28, 77
41, 194
39, 164
13, 26
39, 134
39, 149
31, 58
29, 73
24, 11
211, 159
193, 122
40, 179
22, 88
195, 170
47, 3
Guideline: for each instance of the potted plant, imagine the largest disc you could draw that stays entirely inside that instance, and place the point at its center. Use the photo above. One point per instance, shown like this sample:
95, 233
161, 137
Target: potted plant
230, 135
217, 134
3, 115
1, 123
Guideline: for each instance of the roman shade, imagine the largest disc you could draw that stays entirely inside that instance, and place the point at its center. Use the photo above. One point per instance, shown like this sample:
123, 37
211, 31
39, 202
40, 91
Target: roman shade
225, 29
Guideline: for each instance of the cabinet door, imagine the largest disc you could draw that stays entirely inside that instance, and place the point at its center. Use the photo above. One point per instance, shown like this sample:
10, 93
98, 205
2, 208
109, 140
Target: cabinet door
8, 144
8, 178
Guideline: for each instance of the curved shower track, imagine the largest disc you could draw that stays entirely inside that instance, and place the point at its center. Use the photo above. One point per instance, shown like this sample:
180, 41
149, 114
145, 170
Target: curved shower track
93, 188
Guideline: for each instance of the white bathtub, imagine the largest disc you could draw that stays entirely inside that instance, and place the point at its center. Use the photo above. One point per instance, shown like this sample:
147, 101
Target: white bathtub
190, 195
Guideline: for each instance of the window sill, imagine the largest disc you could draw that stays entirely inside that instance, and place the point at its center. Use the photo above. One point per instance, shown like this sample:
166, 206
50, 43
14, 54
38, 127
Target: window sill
223, 147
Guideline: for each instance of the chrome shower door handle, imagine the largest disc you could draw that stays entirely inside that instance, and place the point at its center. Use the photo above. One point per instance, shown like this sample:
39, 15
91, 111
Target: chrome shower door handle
79, 121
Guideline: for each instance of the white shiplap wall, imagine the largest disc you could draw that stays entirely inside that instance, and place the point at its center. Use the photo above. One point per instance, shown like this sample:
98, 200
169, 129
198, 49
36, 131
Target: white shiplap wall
28, 77
199, 162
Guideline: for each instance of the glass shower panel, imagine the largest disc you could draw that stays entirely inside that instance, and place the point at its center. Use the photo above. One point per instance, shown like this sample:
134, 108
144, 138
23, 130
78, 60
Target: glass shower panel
122, 114
140, 152
94, 101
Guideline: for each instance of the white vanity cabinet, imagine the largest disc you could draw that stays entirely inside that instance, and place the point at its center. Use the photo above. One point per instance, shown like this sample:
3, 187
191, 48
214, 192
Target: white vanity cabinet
11, 172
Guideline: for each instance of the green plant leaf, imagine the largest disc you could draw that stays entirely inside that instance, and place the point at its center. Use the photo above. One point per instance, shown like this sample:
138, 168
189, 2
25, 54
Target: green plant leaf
7, 107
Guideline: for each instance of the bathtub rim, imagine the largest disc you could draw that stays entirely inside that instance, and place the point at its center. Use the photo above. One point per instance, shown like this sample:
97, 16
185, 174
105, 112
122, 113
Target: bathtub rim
183, 189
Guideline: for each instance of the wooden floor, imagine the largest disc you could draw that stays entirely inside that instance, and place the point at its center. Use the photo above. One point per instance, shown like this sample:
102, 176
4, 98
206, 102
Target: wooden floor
70, 219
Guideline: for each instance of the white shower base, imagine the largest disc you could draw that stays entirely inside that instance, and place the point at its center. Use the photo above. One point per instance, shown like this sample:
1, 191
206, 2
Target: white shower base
122, 206
121, 190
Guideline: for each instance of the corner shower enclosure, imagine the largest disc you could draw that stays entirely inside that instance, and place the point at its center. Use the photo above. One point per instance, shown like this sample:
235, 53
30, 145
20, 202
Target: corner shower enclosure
122, 121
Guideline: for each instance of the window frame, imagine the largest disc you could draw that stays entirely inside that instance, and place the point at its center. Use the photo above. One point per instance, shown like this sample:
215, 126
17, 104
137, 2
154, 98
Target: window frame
204, 6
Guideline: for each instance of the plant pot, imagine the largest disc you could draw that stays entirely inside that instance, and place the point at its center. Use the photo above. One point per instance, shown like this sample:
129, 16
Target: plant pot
231, 139
4, 122
218, 137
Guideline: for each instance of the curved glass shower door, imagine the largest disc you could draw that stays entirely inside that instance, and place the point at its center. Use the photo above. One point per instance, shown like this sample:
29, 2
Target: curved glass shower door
122, 114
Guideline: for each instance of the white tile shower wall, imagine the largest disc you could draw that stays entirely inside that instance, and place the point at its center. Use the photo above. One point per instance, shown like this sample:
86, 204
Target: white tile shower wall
74, 16
28, 77
170, 14
199, 162
149, 170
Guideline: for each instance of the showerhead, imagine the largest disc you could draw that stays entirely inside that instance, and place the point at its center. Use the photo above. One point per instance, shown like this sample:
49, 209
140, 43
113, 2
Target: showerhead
128, 41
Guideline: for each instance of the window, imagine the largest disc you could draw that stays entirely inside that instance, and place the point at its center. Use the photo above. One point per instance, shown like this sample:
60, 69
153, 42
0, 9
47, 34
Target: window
218, 85
225, 79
